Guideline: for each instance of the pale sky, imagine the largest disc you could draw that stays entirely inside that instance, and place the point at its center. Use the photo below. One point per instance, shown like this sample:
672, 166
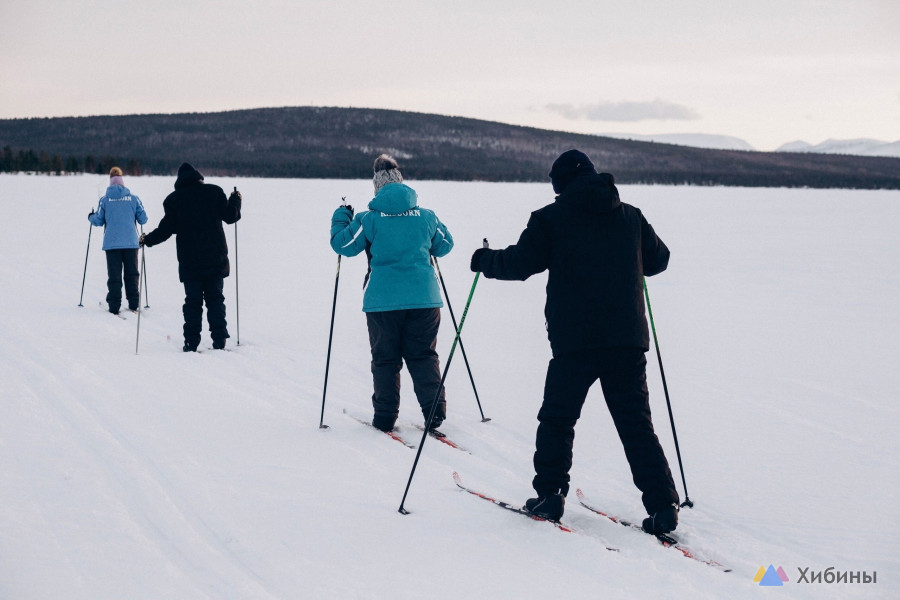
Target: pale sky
766, 71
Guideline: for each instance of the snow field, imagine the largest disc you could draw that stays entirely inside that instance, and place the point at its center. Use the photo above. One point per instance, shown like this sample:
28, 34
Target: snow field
206, 476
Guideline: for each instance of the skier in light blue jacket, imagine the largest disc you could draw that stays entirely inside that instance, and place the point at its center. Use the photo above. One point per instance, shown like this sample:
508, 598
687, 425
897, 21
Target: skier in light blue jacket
402, 300
118, 211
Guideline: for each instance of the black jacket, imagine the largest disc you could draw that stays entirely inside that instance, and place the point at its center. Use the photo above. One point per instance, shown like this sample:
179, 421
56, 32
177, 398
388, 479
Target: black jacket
194, 212
598, 250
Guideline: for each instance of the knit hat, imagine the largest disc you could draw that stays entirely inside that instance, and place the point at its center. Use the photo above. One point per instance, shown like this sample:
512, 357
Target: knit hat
386, 171
115, 176
567, 167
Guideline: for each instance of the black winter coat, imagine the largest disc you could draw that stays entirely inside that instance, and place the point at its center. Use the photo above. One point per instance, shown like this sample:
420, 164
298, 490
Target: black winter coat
194, 212
598, 250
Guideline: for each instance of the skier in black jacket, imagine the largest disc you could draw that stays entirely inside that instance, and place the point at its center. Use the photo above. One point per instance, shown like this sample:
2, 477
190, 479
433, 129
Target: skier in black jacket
194, 212
597, 250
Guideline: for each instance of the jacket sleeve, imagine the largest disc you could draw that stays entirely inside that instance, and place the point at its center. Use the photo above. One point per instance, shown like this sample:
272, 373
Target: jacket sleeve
99, 218
139, 213
347, 236
231, 213
442, 241
167, 226
530, 255
654, 253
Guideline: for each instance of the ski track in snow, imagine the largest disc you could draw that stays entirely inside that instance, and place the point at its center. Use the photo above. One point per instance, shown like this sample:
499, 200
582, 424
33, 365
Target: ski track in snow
166, 474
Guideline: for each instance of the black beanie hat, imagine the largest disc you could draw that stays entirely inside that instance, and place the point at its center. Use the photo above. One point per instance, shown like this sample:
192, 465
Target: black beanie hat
567, 167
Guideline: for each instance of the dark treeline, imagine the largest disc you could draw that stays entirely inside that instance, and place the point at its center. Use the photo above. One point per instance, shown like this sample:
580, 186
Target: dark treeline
30, 161
316, 142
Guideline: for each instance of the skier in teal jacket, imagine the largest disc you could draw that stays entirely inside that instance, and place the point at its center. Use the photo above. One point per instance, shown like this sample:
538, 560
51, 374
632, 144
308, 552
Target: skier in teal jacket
402, 300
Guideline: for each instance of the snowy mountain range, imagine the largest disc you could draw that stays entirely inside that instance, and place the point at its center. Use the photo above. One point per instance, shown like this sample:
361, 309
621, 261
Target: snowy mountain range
858, 147
694, 140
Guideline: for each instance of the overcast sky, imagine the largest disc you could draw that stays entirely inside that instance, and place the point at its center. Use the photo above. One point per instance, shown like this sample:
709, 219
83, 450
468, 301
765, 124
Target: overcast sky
766, 71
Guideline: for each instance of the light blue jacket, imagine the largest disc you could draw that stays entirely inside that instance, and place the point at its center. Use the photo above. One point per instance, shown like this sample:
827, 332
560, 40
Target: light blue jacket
401, 238
118, 210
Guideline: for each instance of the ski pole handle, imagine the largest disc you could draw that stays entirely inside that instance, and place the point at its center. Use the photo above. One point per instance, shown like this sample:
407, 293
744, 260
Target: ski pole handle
484, 243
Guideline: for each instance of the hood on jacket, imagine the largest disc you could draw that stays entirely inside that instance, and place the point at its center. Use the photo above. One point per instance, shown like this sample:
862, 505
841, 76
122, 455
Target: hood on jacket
594, 193
187, 175
117, 191
394, 199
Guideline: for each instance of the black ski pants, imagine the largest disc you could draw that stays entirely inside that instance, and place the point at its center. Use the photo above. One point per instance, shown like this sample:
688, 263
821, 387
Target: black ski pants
195, 293
407, 335
623, 376
119, 261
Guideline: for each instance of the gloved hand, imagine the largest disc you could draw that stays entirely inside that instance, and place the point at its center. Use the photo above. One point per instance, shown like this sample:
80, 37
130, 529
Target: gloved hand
475, 264
91, 214
349, 209
141, 240
235, 196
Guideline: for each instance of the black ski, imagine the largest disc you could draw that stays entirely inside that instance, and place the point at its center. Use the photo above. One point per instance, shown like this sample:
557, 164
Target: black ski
666, 540
391, 434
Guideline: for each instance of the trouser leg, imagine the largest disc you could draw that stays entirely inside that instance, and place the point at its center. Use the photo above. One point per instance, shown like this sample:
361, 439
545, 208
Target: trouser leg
568, 380
215, 308
625, 390
132, 277
193, 312
419, 340
114, 279
385, 341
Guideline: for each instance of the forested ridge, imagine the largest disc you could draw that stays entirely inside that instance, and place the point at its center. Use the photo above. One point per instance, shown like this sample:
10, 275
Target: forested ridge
321, 142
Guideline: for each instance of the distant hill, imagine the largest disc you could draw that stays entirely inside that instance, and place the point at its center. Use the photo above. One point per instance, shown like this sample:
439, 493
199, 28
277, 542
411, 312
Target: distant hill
859, 147
318, 142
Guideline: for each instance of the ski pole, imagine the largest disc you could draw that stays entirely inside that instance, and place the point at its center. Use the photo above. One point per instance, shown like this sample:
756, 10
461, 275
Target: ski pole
87, 252
137, 338
144, 277
687, 500
337, 279
237, 294
434, 404
461, 347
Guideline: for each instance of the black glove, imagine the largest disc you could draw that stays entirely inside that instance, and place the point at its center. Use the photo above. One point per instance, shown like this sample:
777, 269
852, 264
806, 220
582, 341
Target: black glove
141, 240
235, 196
475, 264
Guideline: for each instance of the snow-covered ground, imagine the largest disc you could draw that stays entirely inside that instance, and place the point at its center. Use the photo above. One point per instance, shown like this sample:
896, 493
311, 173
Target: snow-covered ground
171, 475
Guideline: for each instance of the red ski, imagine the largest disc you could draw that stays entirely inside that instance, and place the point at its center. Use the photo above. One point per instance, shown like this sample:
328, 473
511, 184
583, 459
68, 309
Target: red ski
664, 539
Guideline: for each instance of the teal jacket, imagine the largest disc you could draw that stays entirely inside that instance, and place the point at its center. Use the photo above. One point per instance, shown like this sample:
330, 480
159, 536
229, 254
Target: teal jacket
400, 238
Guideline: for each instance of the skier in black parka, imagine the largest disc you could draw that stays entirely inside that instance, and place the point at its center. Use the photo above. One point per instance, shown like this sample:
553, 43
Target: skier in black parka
597, 250
194, 212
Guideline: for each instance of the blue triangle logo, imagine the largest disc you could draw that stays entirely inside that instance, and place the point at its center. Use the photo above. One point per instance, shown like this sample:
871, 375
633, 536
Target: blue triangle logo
771, 578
